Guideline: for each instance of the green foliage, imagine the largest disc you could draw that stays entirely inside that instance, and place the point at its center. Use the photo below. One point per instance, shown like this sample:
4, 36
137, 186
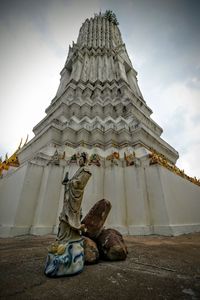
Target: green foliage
110, 15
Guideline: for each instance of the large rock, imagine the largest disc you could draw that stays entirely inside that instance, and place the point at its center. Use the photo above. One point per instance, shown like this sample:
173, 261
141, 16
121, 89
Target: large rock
96, 218
91, 252
111, 245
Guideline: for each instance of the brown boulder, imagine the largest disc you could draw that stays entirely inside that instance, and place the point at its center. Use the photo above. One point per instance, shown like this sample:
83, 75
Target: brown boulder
91, 252
111, 245
96, 218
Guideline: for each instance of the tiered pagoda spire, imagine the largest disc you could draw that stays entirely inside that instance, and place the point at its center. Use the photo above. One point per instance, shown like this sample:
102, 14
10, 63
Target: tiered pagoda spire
98, 101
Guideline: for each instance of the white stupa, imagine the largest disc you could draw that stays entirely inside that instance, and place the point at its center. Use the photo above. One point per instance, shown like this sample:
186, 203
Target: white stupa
99, 110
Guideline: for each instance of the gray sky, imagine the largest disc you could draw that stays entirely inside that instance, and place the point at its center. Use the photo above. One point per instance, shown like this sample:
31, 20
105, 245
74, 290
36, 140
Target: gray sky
162, 40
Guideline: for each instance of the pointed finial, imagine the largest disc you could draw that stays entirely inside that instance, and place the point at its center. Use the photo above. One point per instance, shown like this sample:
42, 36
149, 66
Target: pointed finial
26, 140
6, 157
20, 144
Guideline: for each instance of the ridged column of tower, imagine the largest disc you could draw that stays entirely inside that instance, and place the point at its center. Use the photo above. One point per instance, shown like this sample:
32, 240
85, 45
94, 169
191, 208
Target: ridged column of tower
95, 33
85, 33
107, 34
99, 32
103, 33
111, 35
90, 34
99, 68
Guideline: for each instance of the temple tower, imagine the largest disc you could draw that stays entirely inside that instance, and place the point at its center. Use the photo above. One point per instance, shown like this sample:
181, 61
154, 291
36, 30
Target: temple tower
99, 112
98, 102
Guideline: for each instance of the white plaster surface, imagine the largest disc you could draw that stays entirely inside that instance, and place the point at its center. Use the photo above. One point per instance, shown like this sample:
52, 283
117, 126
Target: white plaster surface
145, 199
10, 198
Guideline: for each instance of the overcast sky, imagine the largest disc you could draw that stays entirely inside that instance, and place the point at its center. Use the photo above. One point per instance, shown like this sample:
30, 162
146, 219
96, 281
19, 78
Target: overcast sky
162, 40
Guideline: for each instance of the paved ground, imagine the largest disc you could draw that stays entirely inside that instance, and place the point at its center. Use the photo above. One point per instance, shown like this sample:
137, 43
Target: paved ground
156, 268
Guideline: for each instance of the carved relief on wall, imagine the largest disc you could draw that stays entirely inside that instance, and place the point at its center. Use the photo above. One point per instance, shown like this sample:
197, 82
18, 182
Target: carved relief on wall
74, 158
113, 158
56, 157
95, 160
129, 159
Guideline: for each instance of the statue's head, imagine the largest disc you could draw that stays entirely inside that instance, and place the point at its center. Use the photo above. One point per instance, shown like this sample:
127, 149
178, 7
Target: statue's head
83, 159
81, 178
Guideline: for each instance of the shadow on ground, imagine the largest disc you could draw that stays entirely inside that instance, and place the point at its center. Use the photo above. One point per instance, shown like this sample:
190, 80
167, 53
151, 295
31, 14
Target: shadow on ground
156, 268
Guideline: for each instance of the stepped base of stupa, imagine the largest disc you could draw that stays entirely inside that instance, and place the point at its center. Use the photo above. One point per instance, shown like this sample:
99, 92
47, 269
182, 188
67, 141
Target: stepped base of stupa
146, 197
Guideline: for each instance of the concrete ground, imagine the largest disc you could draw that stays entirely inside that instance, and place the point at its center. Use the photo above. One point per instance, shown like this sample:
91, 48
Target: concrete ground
156, 268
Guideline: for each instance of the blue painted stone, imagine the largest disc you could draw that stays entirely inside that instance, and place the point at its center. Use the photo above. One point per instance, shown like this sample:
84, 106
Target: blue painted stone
67, 259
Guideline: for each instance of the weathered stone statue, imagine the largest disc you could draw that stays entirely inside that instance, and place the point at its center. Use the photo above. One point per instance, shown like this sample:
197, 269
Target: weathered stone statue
66, 255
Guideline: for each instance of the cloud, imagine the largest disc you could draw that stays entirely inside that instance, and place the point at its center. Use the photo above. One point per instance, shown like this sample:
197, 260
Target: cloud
178, 112
29, 76
63, 20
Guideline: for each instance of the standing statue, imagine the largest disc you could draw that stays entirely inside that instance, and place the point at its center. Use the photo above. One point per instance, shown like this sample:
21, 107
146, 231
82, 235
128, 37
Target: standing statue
66, 255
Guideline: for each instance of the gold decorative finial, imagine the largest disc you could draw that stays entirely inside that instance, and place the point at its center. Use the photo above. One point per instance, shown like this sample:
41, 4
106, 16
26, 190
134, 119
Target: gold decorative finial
11, 161
158, 158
